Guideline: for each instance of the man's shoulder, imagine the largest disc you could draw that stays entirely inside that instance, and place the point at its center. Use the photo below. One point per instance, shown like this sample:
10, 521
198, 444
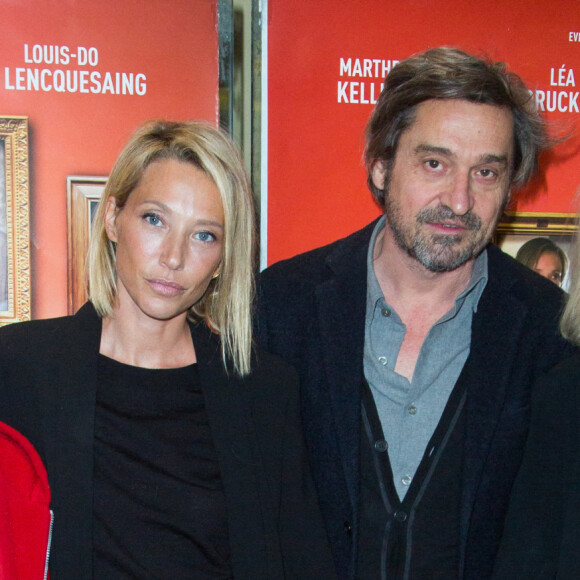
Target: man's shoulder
508, 274
313, 265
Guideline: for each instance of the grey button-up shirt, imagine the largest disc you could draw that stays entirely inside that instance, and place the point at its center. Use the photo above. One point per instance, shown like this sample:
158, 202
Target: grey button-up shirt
410, 411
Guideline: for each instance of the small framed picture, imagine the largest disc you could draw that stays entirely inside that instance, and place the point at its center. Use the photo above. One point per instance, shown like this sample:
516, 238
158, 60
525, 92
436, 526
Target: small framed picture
83, 196
14, 220
517, 228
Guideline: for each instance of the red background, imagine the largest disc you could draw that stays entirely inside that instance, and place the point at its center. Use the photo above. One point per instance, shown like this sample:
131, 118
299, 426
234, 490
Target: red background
317, 183
173, 43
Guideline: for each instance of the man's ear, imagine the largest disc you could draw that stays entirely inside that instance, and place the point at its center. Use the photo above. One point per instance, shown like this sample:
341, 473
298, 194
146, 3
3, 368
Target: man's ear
508, 197
379, 174
111, 212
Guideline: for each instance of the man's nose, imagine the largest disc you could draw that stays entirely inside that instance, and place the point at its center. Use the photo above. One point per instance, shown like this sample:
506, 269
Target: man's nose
457, 193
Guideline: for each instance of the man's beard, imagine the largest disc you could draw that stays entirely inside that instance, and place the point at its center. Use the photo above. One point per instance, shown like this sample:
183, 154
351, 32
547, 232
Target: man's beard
438, 252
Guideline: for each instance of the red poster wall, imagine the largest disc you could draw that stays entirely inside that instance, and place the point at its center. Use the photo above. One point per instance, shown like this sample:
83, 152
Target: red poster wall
167, 52
326, 64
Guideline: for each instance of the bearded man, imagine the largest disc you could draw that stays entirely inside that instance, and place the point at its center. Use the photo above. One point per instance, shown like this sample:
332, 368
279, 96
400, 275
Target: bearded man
416, 340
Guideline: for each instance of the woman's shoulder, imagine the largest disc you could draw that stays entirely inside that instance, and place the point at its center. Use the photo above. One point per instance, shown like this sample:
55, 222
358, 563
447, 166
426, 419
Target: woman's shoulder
272, 380
266, 362
40, 333
263, 364
568, 368
561, 383
31, 328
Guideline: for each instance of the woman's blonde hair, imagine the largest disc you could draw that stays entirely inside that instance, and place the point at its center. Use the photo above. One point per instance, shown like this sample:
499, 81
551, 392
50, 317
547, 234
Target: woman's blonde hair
226, 306
570, 321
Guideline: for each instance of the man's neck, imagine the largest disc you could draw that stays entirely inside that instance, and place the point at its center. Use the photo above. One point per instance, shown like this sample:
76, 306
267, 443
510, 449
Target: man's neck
420, 297
409, 287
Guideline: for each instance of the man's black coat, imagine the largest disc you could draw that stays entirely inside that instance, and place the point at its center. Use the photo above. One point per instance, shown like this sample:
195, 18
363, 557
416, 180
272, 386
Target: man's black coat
312, 313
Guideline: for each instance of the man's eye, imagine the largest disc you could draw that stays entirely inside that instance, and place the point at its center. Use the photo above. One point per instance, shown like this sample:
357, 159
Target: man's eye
433, 164
487, 173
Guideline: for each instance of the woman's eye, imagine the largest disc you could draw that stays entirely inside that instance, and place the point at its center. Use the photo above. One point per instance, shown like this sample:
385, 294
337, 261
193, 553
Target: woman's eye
205, 237
152, 218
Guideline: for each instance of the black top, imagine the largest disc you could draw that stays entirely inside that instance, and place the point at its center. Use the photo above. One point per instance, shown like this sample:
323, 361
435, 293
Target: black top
542, 533
48, 386
159, 505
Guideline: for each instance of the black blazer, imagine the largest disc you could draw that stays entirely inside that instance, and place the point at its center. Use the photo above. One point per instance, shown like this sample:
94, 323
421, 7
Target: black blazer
542, 533
48, 384
312, 313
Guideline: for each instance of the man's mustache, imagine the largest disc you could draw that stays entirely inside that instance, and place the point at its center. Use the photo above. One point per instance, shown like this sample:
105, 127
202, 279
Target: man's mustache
445, 215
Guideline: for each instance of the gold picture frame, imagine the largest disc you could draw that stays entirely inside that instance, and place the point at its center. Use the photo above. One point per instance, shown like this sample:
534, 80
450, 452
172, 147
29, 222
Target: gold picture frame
83, 196
539, 224
14, 220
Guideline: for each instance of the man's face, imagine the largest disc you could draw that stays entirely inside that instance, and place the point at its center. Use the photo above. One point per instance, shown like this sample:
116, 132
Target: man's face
449, 181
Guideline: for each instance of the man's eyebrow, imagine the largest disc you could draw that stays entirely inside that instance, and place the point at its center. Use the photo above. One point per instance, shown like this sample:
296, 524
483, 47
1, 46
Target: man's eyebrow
425, 148
491, 158
486, 158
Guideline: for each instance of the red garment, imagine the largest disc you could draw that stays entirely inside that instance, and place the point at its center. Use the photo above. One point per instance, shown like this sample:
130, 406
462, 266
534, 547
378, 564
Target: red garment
25, 517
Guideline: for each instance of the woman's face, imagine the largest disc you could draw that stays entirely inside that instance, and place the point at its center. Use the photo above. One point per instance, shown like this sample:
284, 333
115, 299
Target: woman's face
550, 266
169, 237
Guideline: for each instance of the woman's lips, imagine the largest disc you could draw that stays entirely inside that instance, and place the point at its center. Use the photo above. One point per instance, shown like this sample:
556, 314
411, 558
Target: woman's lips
165, 288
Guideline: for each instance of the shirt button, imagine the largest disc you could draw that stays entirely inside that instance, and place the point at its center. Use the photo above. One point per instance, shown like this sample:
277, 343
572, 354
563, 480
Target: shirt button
385, 312
400, 516
381, 445
412, 409
348, 528
406, 480
383, 360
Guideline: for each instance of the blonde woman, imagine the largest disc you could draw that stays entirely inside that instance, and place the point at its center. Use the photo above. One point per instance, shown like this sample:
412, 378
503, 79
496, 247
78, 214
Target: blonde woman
542, 535
173, 448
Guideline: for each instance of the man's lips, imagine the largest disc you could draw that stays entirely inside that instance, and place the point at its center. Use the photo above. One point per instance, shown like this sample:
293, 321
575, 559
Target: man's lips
447, 226
165, 287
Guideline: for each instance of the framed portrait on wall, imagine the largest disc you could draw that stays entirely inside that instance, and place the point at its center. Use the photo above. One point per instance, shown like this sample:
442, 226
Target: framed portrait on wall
14, 220
517, 228
83, 195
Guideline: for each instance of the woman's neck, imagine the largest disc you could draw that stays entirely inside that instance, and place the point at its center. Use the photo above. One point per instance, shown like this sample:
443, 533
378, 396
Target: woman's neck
146, 342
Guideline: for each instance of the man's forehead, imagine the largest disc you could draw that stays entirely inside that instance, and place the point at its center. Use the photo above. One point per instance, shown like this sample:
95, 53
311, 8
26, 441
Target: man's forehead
448, 120
449, 107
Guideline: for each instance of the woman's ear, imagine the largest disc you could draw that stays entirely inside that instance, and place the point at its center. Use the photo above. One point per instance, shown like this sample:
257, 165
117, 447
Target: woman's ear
111, 212
217, 272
